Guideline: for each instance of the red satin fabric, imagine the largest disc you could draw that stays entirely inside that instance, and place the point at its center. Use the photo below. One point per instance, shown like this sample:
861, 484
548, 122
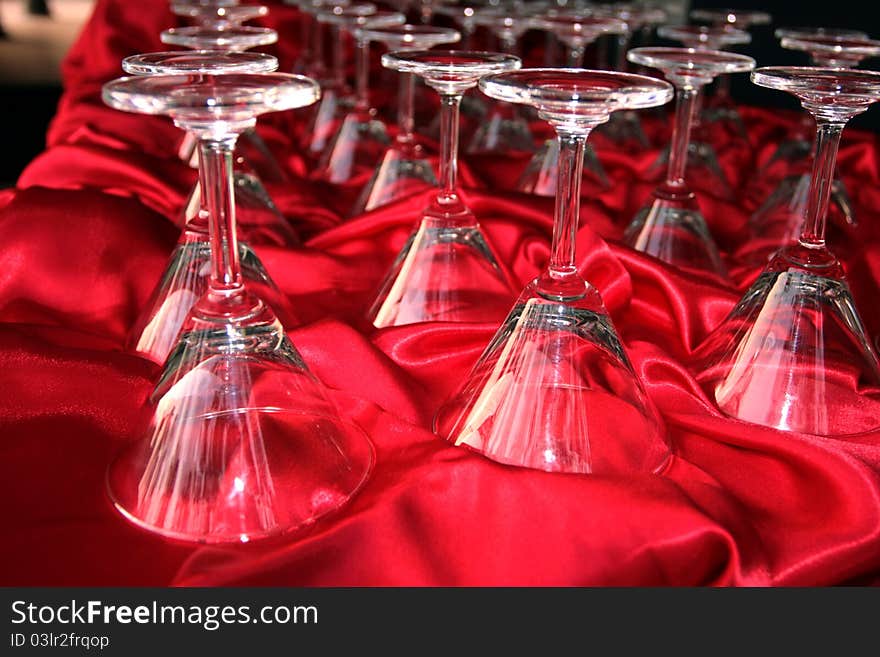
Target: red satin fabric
86, 235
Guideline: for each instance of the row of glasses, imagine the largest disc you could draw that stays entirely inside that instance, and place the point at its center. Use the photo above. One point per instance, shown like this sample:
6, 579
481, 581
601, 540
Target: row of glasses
361, 138
404, 168
777, 220
720, 106
624, 128
240, 441
255, 164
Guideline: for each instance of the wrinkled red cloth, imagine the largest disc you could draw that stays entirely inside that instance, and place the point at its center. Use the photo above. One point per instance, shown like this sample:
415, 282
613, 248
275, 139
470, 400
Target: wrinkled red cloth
88, 231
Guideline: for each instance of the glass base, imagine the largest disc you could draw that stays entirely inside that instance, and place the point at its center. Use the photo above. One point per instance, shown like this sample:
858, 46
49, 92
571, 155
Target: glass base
703, 170
259, 219
554, 391
540, 176
402, 172
793, 354
673, 230
357, 147
241, 441
182, 284
446, 272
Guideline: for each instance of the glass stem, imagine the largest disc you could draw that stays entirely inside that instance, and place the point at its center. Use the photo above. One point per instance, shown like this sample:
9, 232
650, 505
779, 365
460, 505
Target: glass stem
622, 46
568, 202
306, 23
722, 89
449, 108
338, 63
827, 142
216, 180
405, 109
362, 74
575, 55
685, 104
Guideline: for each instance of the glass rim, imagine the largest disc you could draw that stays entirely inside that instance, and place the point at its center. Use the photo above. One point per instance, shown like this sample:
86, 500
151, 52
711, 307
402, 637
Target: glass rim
237, 93
571, 87
716, 62
199, 61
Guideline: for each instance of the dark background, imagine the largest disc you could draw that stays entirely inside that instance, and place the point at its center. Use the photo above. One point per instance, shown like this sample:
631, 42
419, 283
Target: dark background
27, 109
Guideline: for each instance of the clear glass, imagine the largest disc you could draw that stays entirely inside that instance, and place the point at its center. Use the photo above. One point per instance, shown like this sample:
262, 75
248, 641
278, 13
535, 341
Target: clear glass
240, 441
361, 138
187, 272
672, 227
446, 270
404, 169
793, 354
576, 32
554, 390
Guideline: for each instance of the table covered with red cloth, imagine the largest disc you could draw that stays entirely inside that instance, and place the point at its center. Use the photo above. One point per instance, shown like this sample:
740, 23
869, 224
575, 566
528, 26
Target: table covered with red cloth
87, 231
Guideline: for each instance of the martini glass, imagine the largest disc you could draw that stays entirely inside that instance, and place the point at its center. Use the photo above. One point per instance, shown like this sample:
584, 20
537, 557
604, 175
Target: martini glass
576, 32
404, 169
261, 220
241, 441
555, 390
336, 95
186, 275
446, 271
625, 128
701, 154
793, 354
672, 228
361, 138
777, 221
721, 106
504, 129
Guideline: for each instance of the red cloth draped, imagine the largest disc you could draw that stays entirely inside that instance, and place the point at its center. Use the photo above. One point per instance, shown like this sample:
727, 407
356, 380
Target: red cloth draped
87, 233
